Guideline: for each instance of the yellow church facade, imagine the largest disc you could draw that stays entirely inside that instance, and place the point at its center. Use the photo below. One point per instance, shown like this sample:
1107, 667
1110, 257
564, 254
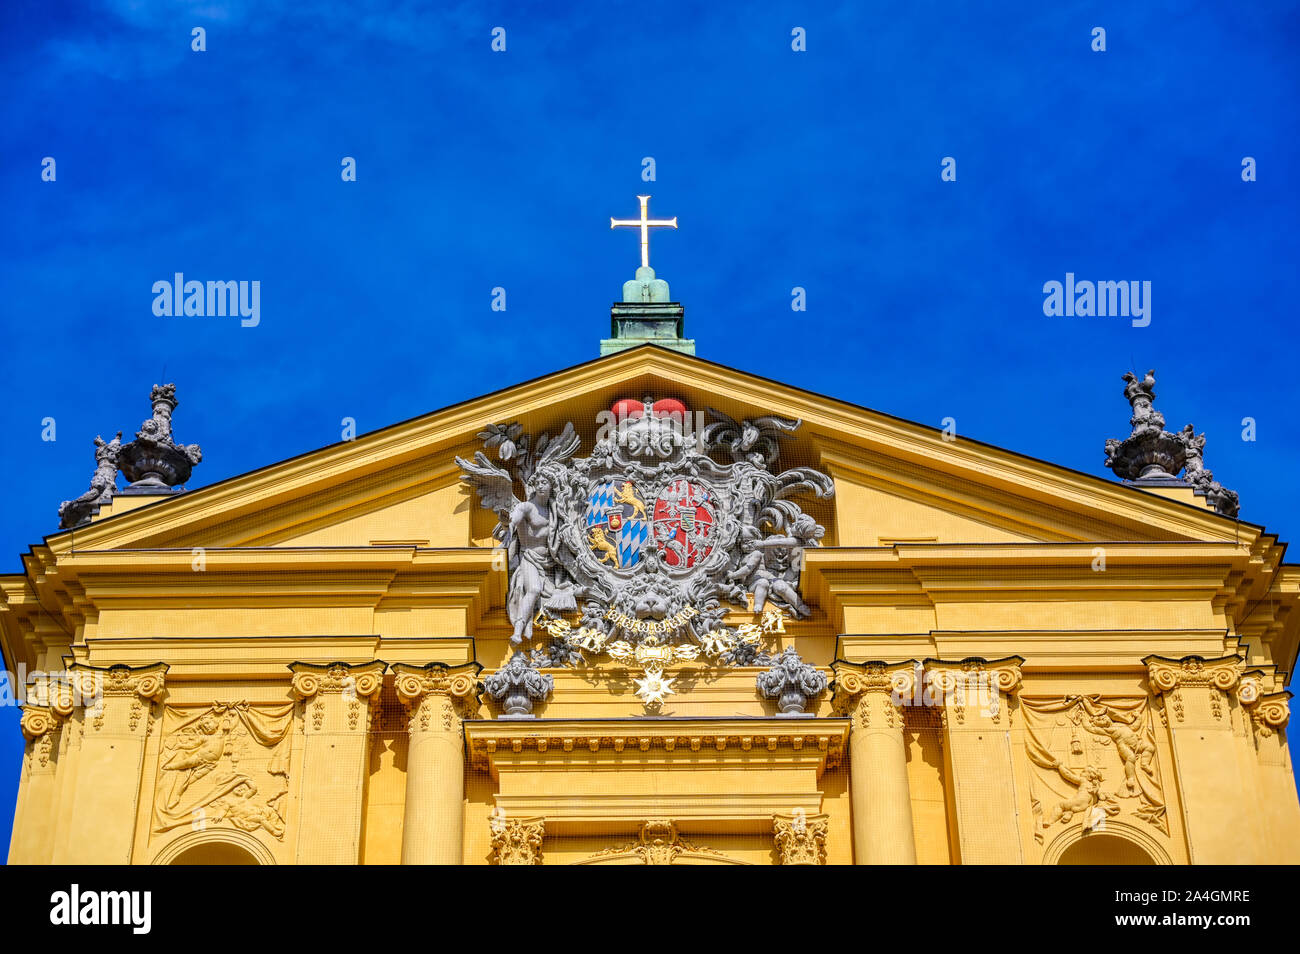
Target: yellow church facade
745, 624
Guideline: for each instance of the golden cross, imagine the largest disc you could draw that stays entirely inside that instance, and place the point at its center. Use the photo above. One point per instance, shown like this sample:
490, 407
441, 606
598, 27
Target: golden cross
644, 223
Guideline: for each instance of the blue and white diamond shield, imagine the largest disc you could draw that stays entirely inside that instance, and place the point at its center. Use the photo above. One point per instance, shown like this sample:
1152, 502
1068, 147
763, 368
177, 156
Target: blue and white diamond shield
617, 525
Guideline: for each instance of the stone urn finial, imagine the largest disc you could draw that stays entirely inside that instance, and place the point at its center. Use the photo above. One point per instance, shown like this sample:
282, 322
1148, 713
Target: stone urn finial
1152, 454
793, 683
1149, 452
154, 462
517, 685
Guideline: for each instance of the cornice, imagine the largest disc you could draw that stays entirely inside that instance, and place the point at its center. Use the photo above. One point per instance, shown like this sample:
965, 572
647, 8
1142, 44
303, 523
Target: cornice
561, 742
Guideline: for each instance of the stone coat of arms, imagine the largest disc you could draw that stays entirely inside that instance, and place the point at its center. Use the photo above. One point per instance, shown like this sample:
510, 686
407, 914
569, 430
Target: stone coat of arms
644, 542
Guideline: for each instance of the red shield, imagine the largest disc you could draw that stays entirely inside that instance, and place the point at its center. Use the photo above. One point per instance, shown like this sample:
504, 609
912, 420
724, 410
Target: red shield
683, 523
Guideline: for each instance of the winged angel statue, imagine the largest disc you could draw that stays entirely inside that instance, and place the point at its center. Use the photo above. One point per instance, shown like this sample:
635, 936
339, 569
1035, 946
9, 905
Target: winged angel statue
647, 539
525, 527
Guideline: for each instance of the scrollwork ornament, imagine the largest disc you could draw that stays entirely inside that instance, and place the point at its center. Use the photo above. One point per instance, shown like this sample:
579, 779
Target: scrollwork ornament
1268, 713
1272, 715
792, 682
306, 684
36, 722
650, 536
437, 689
517, 841
800, 839
1248, 692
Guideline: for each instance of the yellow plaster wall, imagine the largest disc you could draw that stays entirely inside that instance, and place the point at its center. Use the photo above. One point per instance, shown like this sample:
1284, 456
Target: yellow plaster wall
1080, 634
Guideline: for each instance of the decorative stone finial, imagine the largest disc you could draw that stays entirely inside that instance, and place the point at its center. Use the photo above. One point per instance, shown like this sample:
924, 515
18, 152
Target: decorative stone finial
1223, 500
154, 462
1151, 453
793, 683
103, 484
517, 686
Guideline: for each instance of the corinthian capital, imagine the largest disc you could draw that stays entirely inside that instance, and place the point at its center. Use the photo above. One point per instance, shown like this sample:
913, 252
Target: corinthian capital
517, 841
801, 839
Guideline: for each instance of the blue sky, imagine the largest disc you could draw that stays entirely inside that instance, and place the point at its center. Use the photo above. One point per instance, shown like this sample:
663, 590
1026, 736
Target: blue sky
478, 169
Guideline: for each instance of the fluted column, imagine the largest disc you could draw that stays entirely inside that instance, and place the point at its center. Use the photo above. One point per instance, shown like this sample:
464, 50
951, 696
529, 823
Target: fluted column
437, 697
336, 702
1198, 708
116, 713
975, 696
870, 694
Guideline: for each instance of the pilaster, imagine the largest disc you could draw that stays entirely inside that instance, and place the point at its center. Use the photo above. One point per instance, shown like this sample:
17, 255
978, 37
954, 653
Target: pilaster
1267, 715
1198, 708
32, 842
975, 696
115, 716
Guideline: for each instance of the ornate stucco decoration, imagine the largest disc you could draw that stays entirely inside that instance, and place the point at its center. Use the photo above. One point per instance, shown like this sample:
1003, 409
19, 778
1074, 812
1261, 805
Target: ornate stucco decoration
644, 542
800, 838
103, 484
437, 694
38, 725
973, 688
659, 843
123, 693
353, 685
1268, 712
516, 841
793, 683
1151, 453
154, 461
517, 685
1169, 677
227, 764
1091, 760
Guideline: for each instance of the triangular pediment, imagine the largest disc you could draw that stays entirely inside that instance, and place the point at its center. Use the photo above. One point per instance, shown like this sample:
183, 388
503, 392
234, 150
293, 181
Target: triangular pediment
897, 482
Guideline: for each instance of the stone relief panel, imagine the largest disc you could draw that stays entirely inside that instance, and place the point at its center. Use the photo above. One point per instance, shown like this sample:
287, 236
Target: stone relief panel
224, 765
1092, 760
